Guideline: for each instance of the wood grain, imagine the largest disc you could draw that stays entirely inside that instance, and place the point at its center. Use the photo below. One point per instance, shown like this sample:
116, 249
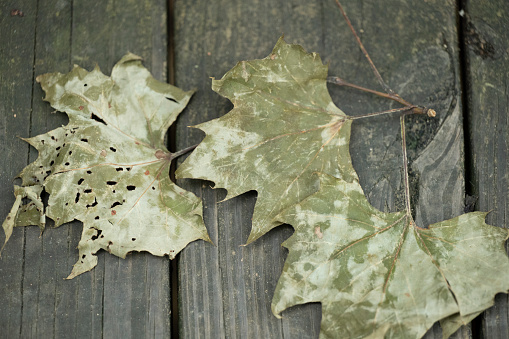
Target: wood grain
16, 78
119, 298
487, 60
225, 291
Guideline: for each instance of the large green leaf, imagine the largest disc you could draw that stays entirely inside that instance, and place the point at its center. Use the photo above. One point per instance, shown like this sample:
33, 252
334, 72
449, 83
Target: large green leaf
378, 274
109, 166
283, 127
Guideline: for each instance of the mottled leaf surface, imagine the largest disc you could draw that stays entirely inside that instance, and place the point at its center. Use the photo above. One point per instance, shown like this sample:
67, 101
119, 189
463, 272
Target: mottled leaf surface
283, 127
378, 275
109, 166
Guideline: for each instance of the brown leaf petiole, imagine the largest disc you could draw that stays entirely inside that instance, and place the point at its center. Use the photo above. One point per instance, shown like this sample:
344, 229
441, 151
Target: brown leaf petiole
183, 151
393, 96
390, 94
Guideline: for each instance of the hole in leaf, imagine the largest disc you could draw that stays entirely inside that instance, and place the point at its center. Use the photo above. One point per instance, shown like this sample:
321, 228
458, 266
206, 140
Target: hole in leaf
51, 163
131, 188
85, 85
116, 203
42, 142
96, 118
94, 237
84, 140
83, 256
67, 164
111, 182
88, 190
53, 137
128, 169
153, 188
89, 172
58, 154
58, 148
113, 149
119, 169
96, 217
133, 239
173, 100
93, 204
80, 181
77, 197
70, 152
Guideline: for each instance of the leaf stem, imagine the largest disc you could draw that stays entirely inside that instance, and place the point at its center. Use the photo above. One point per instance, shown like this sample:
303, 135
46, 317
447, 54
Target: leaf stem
392, 96
405, 165
381, 113
373, 68
182, 152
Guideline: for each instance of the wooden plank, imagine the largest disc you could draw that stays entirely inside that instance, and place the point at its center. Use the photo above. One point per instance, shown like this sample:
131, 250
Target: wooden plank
487, 61
135, 290
127, 298
225, 291
16, 77
48, 257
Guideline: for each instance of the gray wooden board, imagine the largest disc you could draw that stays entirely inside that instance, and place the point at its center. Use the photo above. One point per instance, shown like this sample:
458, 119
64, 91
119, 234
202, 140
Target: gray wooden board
119, 298
225, 291
486, 36
16, 75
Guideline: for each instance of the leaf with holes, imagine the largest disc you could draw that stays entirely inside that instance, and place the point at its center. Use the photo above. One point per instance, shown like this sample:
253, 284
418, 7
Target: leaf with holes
109, 166
283, 127
378, 274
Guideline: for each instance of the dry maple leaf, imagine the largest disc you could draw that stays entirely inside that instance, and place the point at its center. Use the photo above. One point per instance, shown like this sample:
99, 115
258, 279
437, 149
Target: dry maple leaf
109, 166
283, 127
379, 275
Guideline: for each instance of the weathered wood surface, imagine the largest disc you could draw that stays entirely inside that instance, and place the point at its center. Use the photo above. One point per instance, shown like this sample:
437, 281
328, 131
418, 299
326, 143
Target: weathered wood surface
224, 291
486, 39
121, 298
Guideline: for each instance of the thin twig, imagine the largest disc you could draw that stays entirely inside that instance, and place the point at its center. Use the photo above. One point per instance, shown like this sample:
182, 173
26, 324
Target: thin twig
375, 71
